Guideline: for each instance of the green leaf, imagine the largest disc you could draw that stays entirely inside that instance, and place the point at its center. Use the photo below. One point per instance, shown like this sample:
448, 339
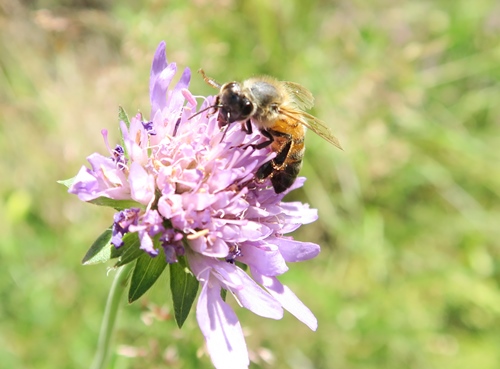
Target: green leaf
130, 250
184, 287
223, 293
67, 182
116, 204
241, 265
146, 272
101, 249
122, 116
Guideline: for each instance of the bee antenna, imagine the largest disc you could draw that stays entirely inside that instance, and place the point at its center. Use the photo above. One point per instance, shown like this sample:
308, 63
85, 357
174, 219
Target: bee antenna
210, 81
216, 106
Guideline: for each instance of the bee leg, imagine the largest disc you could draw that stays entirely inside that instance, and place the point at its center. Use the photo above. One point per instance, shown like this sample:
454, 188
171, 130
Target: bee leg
247, 127
282, 175
282, 154
264, 171
266, 134
270, 140
224, 130
268, 168
216, 104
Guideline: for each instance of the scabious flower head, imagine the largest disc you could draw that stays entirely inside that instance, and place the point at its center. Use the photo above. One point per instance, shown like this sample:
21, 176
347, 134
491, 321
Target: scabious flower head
195, 197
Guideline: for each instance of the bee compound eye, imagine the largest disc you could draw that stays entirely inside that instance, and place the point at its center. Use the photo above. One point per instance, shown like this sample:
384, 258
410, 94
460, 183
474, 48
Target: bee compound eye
247, 108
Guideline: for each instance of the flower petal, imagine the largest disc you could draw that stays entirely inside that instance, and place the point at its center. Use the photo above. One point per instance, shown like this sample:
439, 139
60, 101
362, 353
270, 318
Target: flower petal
293, 251
287, 299
242, 230
216, 248
136, 140
267, 259
147, 244
248, 293
299, 213
158, 65
160, 87
85, 185
221, 328
176, 99
141, 184
104, 179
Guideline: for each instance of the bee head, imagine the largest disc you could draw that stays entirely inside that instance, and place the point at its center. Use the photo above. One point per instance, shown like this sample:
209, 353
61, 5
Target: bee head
234, 105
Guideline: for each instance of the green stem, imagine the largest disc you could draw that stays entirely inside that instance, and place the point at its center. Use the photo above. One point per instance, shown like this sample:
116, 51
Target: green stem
110, 313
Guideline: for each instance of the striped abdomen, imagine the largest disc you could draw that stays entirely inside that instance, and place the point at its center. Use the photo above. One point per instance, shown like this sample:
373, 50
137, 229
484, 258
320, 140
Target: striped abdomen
289, 147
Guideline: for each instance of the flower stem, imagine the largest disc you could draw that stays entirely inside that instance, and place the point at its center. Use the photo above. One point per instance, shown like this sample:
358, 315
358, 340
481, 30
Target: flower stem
110, 313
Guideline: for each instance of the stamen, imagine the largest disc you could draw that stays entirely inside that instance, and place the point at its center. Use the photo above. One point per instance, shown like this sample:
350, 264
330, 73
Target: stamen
104, 133
234, 252
189, 97
198, 234
119, 157
177, 124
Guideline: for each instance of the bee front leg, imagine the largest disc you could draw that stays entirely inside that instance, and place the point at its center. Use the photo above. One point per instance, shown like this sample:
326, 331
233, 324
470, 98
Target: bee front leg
247, 127
284, 168
266, 134
270, 140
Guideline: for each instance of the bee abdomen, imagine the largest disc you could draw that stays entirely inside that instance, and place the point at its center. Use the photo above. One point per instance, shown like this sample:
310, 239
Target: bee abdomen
283, 179
285, 167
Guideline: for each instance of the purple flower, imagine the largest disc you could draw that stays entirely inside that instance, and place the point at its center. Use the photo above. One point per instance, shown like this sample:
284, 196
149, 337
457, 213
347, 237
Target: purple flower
121, 224
197, 198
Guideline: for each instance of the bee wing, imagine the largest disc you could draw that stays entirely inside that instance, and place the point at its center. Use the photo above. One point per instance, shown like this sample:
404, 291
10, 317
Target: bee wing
302, 97
321, 129
314, 124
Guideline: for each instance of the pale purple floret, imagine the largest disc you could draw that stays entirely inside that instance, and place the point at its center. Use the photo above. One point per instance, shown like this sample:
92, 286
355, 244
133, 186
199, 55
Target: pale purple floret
196, 194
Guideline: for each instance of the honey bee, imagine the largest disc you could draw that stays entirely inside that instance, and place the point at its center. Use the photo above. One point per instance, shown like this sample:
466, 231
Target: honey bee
277, 109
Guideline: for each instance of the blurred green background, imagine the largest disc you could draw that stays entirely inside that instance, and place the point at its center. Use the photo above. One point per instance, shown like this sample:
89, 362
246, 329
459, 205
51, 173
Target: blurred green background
409, 271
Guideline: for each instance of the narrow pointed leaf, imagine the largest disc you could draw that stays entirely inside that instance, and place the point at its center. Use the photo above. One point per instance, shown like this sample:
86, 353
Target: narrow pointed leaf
130, 250
223, 294
146, 272
241, 265
67, 182
122, 116
184, 287
101, 249
116, 204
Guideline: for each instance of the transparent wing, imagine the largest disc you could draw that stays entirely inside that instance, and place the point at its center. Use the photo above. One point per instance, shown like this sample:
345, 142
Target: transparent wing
321, 129
302, 97
314, 124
